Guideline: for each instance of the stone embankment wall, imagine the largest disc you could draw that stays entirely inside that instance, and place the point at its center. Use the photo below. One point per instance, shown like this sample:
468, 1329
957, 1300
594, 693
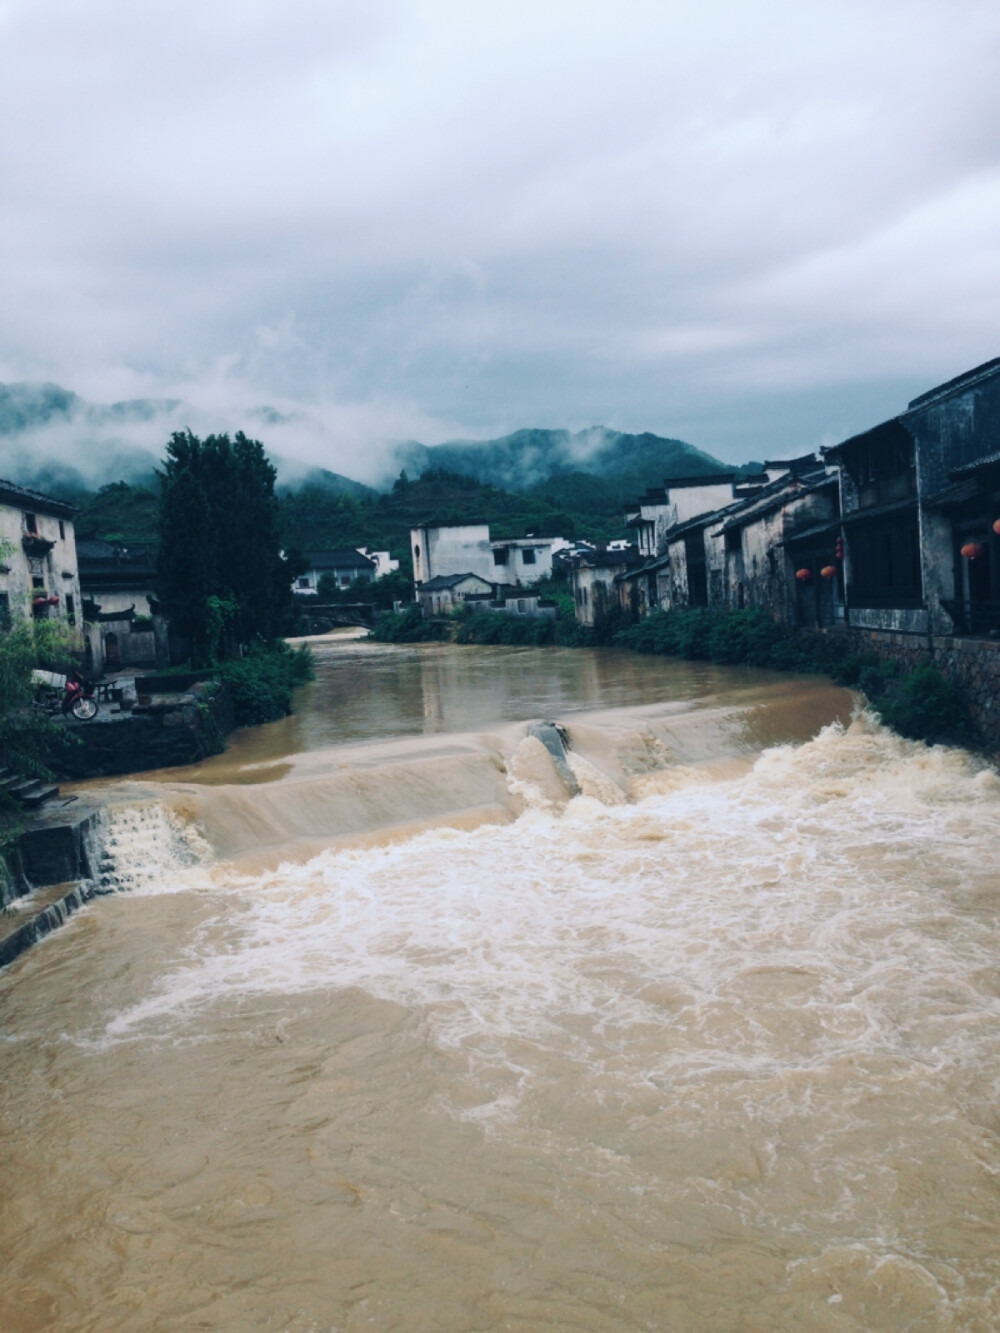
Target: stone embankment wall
972, 665
165, 732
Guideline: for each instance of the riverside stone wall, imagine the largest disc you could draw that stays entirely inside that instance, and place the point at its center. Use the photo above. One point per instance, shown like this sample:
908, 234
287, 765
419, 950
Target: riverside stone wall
972, 665
166, 732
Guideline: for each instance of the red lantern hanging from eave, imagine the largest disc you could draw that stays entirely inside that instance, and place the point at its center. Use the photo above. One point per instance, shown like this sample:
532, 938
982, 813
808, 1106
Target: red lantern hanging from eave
803, 575
54, 600
829, 572
972, 551
996, 526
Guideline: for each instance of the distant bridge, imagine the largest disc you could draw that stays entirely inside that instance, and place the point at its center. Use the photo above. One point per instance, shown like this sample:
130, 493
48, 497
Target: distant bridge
321, 616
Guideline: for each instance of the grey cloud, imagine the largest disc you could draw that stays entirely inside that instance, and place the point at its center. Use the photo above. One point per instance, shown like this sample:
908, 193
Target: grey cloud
406, 220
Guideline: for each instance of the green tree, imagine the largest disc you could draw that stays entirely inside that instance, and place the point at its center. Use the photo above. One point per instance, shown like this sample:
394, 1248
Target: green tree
221, 576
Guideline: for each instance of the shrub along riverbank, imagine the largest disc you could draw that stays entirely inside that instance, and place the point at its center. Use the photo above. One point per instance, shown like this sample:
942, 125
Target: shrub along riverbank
921, 705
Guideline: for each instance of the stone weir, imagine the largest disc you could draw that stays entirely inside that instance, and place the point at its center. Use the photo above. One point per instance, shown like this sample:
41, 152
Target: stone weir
56, 865
54, 868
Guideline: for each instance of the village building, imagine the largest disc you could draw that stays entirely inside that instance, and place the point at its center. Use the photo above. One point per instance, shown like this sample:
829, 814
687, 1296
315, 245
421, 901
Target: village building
522, 561
384, 564
780, 546
344, 565
662, 516
446, 556
597, 587
920, 495
677, 500
122, 623
39, 576
444, 593
443, 549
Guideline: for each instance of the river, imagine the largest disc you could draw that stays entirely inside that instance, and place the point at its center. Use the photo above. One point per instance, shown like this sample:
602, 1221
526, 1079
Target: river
389, 1031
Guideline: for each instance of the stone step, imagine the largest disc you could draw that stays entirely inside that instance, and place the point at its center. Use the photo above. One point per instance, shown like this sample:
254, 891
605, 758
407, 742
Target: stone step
33, 799
28, 792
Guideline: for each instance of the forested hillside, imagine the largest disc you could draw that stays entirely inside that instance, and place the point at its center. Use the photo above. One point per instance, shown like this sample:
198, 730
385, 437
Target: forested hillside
317, 516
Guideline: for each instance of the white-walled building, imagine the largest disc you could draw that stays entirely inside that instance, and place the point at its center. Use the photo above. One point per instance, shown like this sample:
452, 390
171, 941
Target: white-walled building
677, 501
38, 568
441, 550
384, 564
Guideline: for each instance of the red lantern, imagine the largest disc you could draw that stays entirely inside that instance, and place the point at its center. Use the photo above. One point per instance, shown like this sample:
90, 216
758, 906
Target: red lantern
996, 526
54, 600
803, 575
40, 601
829, 571
838, 548
972, 551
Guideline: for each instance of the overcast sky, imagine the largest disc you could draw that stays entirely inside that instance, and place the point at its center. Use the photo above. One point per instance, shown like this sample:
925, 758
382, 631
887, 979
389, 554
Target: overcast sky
758, 227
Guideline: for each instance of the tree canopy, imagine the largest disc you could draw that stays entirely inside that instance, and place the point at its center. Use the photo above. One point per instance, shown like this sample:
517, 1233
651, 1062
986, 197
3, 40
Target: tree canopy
221, 577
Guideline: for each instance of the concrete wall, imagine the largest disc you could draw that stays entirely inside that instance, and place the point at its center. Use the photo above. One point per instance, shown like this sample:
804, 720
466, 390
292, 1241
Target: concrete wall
455, 549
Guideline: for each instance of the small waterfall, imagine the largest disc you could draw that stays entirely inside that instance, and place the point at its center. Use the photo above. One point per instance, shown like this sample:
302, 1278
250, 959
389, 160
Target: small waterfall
143, 847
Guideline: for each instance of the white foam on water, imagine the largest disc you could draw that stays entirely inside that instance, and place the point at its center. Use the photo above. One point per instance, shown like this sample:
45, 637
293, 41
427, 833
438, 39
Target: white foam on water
832, 894
145, 847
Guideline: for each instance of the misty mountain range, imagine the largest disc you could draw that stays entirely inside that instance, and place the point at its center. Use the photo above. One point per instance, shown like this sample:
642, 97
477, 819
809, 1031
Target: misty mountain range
53, 440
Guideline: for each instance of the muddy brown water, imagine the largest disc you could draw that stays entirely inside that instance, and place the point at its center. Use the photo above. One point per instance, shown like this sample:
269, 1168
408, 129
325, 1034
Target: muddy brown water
385, 1032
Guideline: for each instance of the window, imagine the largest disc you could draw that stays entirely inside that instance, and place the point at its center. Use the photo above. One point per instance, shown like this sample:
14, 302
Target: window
70, 609
500, 555
416, 552
734, 541
62, 530
37, 581
4, 611
304, 581
885, 563
31, 524
883, 466
528, 555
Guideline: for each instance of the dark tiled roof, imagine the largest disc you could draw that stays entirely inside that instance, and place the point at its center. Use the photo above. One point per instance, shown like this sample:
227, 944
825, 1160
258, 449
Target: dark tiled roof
963, 381
876, 511
817, 530
777, 492
988, 460
441, 581
23, 498
955, 494
341, 557
887, 429
713, 479
801, 464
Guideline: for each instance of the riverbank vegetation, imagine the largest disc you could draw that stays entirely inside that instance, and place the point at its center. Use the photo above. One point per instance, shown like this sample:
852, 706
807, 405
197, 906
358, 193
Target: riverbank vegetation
28, 733
262, 682
920, 705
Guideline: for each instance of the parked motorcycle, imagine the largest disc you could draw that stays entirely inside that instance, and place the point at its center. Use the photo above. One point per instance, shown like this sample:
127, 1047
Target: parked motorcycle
78, 698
